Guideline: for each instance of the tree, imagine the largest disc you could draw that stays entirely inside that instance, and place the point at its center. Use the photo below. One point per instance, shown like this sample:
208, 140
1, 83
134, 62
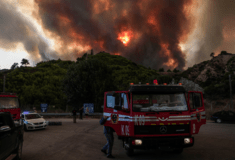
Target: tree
86, 82
212, 54
14, 66
168, 70
161, 70
175, 70
24, 62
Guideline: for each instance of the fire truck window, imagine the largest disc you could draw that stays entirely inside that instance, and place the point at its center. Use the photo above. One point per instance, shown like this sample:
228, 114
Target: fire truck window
124, 104
6, 102
191, 101
110, 101
197, 100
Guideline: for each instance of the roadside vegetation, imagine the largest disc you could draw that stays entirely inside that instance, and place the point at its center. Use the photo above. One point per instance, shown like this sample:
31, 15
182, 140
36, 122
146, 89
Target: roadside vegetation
72, 83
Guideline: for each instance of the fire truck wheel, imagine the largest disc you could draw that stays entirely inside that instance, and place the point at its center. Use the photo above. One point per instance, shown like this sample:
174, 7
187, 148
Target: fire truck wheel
25, 128
178, 150
130, 151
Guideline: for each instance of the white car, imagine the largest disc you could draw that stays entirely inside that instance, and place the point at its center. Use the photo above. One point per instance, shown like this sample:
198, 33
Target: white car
33, 121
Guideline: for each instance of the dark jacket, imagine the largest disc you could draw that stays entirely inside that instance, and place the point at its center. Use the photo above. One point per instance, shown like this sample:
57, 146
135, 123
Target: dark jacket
107, 130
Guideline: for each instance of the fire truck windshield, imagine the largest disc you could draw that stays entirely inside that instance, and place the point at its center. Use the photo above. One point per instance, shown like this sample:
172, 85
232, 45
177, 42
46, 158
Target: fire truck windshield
159, 102
8, 102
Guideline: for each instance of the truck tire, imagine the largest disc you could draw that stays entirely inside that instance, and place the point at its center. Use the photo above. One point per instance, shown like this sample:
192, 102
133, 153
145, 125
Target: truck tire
178, 150
18, 151
130, 152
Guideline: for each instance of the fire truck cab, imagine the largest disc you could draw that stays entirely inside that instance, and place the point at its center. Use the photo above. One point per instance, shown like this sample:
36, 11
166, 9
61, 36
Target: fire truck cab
155, 116
9, 103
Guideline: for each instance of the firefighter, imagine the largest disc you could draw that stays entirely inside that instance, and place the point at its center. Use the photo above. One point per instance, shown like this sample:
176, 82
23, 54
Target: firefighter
108, 132
74, 111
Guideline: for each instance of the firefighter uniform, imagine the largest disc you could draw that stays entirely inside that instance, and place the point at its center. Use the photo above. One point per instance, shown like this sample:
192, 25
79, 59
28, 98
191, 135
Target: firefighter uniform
108, 132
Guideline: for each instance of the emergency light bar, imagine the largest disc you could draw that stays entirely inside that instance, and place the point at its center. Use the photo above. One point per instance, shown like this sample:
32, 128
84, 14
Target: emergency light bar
164, 84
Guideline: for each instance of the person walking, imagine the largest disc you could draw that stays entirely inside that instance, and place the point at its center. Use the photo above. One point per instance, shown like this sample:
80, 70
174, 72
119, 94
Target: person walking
81, 111
108, 132
74, 111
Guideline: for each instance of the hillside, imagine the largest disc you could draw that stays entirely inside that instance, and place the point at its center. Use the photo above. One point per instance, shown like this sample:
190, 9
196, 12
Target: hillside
213, 75
42, 84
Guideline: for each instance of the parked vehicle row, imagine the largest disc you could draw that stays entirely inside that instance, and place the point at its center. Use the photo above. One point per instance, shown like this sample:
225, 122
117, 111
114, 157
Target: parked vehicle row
223, 116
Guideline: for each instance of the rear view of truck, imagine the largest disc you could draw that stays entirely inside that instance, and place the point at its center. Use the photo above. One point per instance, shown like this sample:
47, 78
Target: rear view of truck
9, 103
155, 116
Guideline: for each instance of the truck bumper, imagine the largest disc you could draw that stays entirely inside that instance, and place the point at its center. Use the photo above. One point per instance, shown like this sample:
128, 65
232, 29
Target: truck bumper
161, 142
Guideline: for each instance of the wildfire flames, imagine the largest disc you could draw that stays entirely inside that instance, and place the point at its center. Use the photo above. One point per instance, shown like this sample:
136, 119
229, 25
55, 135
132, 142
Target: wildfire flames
153, 33
124, 37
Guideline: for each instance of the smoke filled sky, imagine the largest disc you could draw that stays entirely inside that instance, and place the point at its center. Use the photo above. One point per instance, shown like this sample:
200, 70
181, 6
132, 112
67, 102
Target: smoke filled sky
154, 33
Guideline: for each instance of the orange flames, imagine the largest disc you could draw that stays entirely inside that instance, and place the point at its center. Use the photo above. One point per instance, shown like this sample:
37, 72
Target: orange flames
166, 52
125, 37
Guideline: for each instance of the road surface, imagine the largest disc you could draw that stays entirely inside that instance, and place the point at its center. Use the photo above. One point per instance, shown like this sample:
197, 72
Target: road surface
83, 141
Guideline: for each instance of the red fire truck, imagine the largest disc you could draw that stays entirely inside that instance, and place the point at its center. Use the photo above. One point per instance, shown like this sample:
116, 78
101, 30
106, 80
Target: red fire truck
155, 116
9, 103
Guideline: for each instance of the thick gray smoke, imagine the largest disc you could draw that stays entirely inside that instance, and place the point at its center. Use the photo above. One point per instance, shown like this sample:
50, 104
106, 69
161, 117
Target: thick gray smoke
216, 23
98, 24
15, 28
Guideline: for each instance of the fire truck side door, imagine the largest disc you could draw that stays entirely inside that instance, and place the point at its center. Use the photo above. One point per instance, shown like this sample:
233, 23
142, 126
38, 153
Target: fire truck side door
197, 110
118, 109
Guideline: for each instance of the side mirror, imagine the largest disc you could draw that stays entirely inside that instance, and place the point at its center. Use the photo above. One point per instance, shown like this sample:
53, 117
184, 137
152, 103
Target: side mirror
5, 128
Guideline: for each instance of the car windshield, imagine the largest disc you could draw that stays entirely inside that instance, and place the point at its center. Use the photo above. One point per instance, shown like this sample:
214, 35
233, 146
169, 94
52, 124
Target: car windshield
159, 102
32, 116
9, 102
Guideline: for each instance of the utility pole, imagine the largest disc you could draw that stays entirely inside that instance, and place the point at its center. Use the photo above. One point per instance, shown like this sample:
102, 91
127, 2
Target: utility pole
231, 96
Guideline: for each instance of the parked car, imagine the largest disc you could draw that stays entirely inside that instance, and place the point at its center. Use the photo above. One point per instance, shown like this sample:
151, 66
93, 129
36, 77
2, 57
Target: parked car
11, 137
223, 116
33, 121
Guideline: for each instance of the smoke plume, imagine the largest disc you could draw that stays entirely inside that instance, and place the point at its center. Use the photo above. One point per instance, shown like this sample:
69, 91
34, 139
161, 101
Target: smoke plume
15, 28
214, 31
146, 31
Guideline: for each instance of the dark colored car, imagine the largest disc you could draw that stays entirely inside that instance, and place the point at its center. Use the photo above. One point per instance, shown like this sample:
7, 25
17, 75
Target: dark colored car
223, 116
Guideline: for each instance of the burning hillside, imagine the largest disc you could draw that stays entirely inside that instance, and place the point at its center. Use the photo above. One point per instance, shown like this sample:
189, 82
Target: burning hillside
154, 33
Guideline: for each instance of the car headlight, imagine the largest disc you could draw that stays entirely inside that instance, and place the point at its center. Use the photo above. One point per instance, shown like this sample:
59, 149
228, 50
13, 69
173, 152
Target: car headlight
30, 123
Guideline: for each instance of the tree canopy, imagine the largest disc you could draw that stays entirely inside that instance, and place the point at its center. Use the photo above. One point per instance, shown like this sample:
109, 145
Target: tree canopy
24, 62
86, 82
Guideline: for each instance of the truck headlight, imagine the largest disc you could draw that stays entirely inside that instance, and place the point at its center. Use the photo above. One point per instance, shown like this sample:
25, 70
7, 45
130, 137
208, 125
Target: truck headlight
188, 140
138, 142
